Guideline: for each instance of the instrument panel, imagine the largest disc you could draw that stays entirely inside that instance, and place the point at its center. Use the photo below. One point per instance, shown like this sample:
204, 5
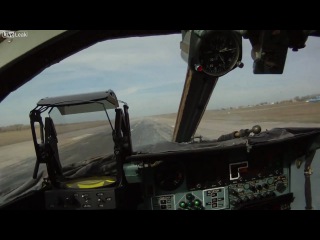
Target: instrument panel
232, 178
89, 193
221, 181
73, 199
197, 200
235, 196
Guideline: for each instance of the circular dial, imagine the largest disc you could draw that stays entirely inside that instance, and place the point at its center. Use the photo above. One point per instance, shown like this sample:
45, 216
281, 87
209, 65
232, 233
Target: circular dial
169, 175
219, 53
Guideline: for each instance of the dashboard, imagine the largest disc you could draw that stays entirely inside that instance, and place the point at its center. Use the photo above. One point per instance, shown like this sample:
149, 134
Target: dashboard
254, 173
217, 180
211, 177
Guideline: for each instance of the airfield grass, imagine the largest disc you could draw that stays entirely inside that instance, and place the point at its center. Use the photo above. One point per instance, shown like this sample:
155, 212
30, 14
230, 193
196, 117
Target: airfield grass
11, 136
283, 112
301, 112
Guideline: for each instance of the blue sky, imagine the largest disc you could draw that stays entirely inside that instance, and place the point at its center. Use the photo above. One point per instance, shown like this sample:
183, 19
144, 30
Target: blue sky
148, 73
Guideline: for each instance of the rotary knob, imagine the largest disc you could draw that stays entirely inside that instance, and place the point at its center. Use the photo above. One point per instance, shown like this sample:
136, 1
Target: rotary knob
189, 197
280, 187
253, 188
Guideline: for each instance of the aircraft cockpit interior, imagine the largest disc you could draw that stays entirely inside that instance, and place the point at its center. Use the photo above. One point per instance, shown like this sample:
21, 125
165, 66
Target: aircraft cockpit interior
86, 151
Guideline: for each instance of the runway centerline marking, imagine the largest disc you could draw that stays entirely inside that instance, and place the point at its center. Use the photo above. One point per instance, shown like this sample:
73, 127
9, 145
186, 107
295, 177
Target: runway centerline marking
81, 137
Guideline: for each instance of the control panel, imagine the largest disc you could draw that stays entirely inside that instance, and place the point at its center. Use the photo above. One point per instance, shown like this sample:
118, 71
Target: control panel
210, 199
85, 199
230, 182
235, 196
249, 192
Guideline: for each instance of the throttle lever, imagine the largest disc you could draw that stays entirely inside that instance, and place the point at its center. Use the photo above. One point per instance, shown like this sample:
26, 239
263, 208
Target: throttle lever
256, 129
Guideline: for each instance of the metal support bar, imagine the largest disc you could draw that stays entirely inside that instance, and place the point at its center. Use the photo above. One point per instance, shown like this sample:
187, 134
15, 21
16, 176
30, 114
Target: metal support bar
197, 91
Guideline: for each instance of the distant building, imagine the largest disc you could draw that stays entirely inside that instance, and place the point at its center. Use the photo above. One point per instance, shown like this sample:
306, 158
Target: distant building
315, 99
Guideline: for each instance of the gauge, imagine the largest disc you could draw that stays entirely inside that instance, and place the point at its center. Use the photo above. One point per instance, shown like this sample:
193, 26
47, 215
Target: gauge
169, 175
219, 52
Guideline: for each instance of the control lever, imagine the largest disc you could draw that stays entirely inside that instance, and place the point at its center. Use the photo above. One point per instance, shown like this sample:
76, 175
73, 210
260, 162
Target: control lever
242, 133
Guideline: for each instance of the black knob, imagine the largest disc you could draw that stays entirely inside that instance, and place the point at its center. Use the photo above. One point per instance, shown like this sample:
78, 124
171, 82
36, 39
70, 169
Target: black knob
190, 197
256, 129
240, 64
253, 188
266, 186
259, 187
280, 187
190, 204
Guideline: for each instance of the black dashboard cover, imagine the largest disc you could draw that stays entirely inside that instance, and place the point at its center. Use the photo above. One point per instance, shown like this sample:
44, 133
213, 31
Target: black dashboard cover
285, 134
311, 136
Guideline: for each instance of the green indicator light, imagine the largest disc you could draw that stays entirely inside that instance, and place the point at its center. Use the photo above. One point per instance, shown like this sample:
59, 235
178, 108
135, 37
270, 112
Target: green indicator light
197, 203
182, 204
